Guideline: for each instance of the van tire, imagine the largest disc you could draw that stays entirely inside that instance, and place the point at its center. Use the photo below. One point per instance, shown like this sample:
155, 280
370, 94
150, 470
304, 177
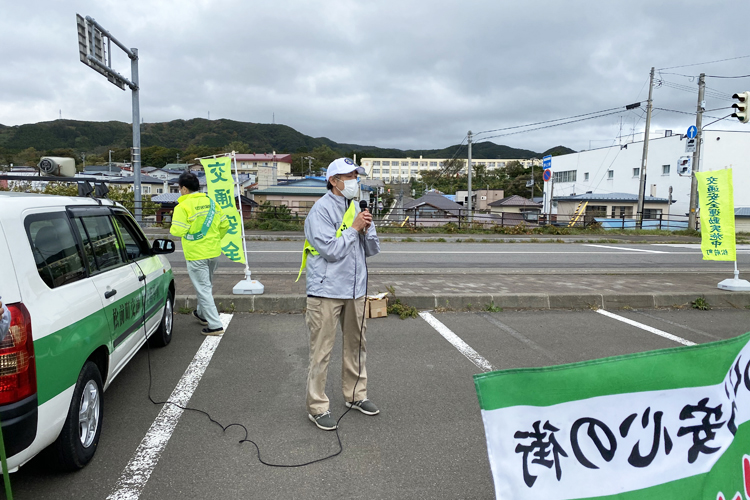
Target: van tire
72, 453
163, 334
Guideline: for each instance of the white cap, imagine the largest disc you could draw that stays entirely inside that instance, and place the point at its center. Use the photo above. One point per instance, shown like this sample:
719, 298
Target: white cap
343, 166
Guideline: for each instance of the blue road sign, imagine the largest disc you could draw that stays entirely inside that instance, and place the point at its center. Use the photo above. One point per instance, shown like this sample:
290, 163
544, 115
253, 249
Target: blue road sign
692, 132
547, 162
547, 175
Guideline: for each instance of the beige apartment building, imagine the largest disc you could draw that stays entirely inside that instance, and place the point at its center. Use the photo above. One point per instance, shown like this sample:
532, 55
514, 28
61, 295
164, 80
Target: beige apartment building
267, 168
404, 169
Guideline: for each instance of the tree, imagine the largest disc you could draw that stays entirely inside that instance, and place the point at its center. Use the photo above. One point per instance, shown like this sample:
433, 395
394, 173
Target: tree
28, 157
238, 147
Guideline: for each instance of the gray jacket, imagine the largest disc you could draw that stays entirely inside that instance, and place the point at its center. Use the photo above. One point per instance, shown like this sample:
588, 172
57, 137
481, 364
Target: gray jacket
339, 272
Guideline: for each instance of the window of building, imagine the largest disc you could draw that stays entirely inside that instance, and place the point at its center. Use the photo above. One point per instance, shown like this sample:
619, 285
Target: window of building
636, 172
586, 176
404, 163
596, 210
159, 190
57, 255
492, 164
610, 174
145, 189
620, 212
387, 170
414, 164
665, 170
376, 164
422, 163
386, 163
501, 164
414, 171
564, 176
375, 170
306, 204
651, 213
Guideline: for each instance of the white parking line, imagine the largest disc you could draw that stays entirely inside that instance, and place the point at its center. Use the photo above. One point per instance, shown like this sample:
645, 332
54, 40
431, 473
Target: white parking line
628, 249
136, 474
459, 344
656, 331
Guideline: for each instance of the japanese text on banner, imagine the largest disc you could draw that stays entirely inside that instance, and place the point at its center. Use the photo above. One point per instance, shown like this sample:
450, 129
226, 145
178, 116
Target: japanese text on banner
716, 196
221, 190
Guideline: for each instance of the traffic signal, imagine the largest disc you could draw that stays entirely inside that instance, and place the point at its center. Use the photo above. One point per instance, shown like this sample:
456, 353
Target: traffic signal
742, 112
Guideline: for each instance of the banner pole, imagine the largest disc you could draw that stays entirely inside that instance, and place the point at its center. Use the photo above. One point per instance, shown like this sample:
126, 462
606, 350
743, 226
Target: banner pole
242, 220
248, 286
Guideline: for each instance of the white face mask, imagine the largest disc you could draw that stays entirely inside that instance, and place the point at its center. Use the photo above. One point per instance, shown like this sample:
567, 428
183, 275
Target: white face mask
351, 189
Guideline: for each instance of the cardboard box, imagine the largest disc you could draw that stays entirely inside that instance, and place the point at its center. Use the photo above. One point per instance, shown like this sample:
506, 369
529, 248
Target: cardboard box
376, 308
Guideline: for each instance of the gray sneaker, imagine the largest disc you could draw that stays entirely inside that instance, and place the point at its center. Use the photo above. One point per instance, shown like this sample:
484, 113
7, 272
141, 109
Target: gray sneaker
324, 421
365, 406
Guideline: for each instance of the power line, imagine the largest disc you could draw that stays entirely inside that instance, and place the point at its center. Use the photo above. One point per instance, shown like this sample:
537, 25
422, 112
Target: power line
556, 120
741, 76
709, 62
619, 110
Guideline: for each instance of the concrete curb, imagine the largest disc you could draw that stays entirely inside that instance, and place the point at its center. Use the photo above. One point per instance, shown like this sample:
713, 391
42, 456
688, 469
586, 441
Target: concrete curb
477, 302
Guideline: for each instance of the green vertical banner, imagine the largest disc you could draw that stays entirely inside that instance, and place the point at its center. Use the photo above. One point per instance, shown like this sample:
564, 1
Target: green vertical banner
668, 424
716, 196
221, 190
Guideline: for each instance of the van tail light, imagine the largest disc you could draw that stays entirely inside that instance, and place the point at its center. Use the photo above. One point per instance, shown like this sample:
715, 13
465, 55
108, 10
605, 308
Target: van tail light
17, 366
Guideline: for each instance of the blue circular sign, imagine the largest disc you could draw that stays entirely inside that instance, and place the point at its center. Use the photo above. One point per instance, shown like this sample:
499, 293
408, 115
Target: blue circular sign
547, 175
692, 132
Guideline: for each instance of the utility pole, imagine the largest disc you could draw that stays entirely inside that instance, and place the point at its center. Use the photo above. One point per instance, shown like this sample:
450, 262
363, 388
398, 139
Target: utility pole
642, 186
532, 181
469, 168
692, 222
110, 161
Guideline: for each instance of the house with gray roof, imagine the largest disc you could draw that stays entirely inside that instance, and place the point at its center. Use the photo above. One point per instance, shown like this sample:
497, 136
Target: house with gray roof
612, 205
433, 205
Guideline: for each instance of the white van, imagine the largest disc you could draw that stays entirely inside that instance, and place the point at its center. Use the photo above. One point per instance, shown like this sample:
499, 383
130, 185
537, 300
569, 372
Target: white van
80, 280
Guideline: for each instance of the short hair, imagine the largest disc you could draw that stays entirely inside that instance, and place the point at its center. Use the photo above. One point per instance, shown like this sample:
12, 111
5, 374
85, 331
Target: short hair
190, 181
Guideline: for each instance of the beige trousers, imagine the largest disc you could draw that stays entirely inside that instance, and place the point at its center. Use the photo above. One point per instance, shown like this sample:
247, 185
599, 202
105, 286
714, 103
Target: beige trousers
322, 316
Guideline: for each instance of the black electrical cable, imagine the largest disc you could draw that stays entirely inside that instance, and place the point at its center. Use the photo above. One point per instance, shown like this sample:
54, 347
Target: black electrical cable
224, 428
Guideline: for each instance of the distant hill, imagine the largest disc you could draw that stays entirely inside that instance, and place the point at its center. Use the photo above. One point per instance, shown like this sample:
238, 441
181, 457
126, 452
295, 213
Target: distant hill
180, 134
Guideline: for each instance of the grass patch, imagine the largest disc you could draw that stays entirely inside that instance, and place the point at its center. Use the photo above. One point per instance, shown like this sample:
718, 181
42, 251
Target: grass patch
184, 310
701, 304
491, 307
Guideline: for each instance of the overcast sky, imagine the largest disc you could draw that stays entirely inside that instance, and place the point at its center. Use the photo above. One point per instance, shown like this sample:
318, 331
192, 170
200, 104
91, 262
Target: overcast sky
387, 73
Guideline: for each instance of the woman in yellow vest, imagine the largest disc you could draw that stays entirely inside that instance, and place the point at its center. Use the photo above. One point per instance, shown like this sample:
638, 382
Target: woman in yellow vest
338, 239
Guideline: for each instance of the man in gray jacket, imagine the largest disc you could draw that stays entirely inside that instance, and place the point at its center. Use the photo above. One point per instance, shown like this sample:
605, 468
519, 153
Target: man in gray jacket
338, 239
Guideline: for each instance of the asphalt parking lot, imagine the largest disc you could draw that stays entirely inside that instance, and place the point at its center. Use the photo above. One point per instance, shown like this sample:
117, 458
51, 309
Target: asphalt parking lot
428, 442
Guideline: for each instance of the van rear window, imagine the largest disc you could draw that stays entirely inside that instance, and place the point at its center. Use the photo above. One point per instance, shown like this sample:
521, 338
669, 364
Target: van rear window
56, 253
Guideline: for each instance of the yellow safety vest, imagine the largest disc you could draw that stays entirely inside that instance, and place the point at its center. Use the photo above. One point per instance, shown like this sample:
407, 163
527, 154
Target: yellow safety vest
349, 216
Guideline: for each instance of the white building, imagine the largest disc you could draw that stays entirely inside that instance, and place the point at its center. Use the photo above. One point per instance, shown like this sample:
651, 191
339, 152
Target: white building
404, 169
617, 169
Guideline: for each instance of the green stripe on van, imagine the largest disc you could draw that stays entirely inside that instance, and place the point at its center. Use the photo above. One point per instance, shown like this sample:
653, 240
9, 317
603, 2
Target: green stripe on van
61, 355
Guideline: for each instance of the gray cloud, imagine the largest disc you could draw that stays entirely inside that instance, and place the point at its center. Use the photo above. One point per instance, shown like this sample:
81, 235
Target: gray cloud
386, 73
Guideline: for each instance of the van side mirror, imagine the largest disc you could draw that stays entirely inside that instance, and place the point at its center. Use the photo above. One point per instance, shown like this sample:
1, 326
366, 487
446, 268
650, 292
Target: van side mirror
162, 246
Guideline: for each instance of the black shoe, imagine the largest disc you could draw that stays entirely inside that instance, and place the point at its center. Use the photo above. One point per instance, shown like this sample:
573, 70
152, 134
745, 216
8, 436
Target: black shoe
324, 421
202, 321
212, 331
365, 406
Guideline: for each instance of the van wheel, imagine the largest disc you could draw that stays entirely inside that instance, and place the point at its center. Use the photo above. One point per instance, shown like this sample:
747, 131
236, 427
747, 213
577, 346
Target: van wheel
83, 426
163, 335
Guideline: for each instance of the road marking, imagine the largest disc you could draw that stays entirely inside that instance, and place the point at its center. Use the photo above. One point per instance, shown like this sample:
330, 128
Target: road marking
459, 344
699, 332
656, 331
628, 249
136, 474
516, 335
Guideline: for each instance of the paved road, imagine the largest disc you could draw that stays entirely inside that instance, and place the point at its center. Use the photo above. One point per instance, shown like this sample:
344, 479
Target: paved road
265, 256
427, 443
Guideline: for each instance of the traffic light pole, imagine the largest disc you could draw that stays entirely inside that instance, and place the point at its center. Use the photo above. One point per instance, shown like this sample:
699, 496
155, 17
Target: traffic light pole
469, 172
642, 183
136, 137
692, 221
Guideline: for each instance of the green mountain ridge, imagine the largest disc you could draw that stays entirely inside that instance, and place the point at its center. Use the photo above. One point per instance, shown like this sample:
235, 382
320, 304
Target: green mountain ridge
98, 137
